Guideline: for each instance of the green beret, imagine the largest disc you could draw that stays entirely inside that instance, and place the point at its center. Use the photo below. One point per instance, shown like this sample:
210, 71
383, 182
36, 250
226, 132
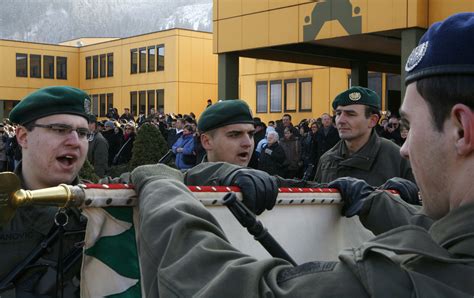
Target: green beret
51, 101
223, 113
357, 96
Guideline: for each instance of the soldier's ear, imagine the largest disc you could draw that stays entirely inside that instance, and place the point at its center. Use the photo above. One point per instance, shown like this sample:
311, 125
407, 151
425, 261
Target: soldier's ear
21, 134
463, 119
206, 141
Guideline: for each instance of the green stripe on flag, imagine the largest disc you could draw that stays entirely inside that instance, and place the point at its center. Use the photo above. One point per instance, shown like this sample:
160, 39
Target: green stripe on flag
121, 213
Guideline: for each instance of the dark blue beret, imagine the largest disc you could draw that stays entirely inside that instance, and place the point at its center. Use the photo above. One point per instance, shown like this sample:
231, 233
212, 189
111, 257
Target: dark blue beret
224, 113
357, 95
445, 49
50, 101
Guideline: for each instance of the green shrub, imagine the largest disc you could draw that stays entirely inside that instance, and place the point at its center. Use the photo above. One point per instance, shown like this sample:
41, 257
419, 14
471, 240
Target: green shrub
117, 170
149, 146
87, 172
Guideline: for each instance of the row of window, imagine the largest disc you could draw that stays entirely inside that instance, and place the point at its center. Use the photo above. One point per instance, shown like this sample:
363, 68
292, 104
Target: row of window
289, 95
141, 102
101, 103
38, 63
100, 66
147, 59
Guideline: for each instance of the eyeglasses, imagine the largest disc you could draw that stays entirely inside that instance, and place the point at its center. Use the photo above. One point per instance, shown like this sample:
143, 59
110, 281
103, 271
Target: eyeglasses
64, 130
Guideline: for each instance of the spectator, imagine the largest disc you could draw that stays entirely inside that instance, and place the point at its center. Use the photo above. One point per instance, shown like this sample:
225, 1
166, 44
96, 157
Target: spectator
403, 134
183, 148
272, 159
263, 142
175, 133
271, 123
112, 114
209, 103
393, 130
98, 152
127, 115
292, 148
308, 147
260, 130
125, 153
3, 148
326, 137
113, 139
286, 122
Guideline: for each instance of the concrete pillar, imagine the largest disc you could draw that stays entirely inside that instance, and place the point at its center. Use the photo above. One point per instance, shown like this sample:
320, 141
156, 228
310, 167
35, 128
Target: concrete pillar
359, 73
228, 76
410, 39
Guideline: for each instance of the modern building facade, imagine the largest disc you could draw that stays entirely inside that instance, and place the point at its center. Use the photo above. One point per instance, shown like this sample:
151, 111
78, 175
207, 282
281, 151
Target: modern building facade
364, 42
172, 70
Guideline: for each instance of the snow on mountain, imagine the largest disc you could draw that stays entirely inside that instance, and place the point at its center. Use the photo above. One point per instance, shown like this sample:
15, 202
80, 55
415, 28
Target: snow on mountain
60, 20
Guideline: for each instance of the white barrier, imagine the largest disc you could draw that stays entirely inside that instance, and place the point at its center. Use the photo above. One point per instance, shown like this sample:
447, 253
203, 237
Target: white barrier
306, 222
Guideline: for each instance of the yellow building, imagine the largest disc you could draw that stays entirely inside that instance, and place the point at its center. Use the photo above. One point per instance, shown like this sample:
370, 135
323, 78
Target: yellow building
172, 70
365, 42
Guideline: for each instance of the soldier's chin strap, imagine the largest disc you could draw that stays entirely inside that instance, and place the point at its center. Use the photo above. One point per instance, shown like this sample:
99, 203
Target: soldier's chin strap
61, 219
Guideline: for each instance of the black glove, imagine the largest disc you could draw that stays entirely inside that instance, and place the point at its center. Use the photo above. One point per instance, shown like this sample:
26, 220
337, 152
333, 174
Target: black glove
407, 189
353, 193
259, 189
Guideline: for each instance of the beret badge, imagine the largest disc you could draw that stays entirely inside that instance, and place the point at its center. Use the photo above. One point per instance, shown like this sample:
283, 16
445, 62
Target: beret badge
416, 55
355, 96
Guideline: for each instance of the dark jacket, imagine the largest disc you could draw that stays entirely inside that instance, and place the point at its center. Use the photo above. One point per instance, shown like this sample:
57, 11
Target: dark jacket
25, 232
326, 141
376, 162
115, 141
98, 154
292, 148
272, 160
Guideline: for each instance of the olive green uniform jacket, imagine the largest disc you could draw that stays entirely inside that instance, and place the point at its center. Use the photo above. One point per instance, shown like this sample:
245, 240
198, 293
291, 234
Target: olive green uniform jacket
25, 232
184, 252
376, 162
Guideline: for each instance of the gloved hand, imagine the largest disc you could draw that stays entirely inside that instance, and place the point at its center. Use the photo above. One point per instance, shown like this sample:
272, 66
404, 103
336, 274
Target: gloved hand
259, 189
144, 174
353, 192
407, 189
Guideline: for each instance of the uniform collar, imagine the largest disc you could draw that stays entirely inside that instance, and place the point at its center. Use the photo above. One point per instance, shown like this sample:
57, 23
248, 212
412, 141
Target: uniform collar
365, 157
455, 231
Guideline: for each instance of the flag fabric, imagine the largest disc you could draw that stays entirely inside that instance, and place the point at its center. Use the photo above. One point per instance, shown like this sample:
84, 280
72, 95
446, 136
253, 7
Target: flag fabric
110, 266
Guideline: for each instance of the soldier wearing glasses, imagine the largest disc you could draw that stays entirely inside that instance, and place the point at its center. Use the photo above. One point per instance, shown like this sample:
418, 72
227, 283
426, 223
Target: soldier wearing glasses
53, 134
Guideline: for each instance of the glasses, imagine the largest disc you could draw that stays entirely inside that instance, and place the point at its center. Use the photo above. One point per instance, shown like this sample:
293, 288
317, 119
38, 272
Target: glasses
64, 130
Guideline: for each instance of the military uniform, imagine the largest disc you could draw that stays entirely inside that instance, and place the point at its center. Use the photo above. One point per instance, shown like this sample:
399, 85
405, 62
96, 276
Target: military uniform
185, 253
29, 227
376, 162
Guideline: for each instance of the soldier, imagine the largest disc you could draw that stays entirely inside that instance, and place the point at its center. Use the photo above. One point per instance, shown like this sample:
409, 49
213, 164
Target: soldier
227, 130
361, 153
422, 253
52, 133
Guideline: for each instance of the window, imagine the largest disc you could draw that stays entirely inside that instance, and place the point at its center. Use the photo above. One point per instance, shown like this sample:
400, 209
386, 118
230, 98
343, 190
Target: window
110, 64
306, 94
151, 59
95, 104
160, 100
161, 57
151, 100
110, 101
35, 66
275, 96
61, 68
142, 59
262, 97
102, 106
95, 67
103, 65
21, 65
290, 95
88, 68
48, 69
142, 102
133, 61
133, 103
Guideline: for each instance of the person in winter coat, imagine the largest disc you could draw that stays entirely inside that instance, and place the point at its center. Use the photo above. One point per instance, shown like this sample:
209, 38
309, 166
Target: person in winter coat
273, 158
183, 148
